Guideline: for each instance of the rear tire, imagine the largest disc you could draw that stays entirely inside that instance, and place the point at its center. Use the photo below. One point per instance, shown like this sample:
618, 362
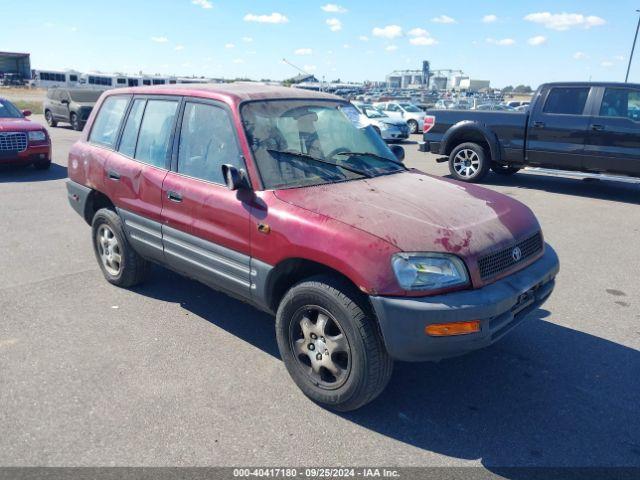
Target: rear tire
504, 169
48, 116
119, 263
345, 365
413, 126
469, 162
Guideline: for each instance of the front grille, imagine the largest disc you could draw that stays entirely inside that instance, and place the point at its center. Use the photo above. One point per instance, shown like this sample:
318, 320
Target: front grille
13, 141
498, 262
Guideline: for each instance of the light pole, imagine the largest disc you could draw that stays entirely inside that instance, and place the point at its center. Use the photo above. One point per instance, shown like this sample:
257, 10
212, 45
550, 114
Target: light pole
633, 47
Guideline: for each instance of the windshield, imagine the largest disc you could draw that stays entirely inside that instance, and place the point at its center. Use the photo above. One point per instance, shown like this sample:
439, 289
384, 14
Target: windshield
371, 111
407, 107
304, 142
8, 110
85, 96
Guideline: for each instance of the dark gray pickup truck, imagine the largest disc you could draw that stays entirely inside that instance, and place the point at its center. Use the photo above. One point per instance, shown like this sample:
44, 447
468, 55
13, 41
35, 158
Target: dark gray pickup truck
588, 127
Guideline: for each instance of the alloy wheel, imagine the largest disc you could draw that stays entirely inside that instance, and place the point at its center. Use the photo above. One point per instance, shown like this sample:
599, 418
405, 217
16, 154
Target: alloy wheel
109, 250
320, 347
466, 163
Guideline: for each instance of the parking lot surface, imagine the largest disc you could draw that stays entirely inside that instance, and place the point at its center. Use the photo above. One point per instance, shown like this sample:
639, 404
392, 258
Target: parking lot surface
172, 373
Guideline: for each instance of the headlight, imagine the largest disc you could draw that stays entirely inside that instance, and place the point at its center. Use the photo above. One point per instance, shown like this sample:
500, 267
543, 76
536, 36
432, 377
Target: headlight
429, 271
383, 126
37, 136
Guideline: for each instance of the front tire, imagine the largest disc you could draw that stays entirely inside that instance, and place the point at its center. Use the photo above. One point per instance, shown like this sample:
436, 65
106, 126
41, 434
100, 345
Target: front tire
330, 346
48, 116
413, 126
119, 263
75, 122
469, 162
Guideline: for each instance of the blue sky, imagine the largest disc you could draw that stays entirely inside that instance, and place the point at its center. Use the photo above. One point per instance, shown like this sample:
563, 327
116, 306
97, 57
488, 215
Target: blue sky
506, 41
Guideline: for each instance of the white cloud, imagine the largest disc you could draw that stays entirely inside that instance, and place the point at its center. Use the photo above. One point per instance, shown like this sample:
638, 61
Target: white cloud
273, 18
619, 58
390, 31
177, 48
238, 60
423, 41
346, 45
489, 18
505, 42
564, 21
418, 32
303, 51
159, 39
443, 19
363, 38
309, 68
202, 3
580, 56
229, 45
247, 39
606, 64
391, 48
333, 8
334, 24
537, 40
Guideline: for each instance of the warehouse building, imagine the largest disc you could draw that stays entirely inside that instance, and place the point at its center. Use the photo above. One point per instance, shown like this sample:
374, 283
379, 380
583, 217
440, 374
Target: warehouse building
15, 68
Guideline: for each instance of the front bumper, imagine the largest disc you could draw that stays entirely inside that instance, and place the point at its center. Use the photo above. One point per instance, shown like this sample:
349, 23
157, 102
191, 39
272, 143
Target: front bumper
392, 134
499, 307
33, 154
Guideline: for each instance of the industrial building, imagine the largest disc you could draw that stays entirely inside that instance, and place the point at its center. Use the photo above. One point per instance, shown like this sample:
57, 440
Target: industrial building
14, 67
442, 79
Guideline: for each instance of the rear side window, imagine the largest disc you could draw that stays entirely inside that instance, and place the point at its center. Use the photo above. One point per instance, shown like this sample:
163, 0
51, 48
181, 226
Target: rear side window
207, 141
621, 102
131, 128
566, 101
107, 123
155, 132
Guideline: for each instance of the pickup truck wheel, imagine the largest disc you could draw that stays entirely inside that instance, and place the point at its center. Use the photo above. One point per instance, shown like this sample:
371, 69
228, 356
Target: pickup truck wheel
48, 116
469, 162
330, 347
75, 122
119, 263
504, 169
413, 126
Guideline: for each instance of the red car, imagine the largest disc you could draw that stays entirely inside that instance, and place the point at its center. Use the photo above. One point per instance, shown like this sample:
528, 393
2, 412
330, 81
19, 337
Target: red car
22, 142
280, 197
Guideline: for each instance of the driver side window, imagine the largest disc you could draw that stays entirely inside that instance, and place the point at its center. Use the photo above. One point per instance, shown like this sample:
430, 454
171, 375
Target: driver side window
207, 141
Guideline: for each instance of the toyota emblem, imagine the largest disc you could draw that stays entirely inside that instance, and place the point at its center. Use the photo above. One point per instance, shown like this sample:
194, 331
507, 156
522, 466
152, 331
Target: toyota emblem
516, 254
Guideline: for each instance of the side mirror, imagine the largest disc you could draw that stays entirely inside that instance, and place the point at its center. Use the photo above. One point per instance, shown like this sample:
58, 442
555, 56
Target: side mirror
234, 178
26, 113
398, 151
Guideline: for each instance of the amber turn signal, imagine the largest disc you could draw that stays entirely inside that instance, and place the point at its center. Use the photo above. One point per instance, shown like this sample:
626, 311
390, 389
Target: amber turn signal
454, 328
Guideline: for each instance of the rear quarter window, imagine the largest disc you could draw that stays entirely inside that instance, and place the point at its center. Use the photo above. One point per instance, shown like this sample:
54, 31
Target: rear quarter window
107, 123
566, 100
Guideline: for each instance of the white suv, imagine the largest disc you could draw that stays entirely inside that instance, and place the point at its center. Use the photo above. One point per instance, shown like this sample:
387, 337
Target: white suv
406, 111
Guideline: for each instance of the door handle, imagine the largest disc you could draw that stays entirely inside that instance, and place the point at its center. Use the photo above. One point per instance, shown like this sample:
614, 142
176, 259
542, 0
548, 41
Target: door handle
539, 124
597, 128
113, 175
174, 196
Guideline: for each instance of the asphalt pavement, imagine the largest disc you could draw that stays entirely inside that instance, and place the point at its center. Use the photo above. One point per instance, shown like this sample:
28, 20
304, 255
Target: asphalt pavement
173, 373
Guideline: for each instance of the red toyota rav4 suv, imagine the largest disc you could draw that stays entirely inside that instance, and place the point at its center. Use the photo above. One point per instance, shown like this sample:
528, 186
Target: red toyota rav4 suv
279, 197
22, 142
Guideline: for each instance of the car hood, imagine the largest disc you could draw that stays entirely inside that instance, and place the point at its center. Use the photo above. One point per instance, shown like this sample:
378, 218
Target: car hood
391, 121
18, 125
416, 212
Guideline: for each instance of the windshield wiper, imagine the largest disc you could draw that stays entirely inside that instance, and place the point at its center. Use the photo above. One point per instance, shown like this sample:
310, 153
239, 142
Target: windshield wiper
369, 154
320, 160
